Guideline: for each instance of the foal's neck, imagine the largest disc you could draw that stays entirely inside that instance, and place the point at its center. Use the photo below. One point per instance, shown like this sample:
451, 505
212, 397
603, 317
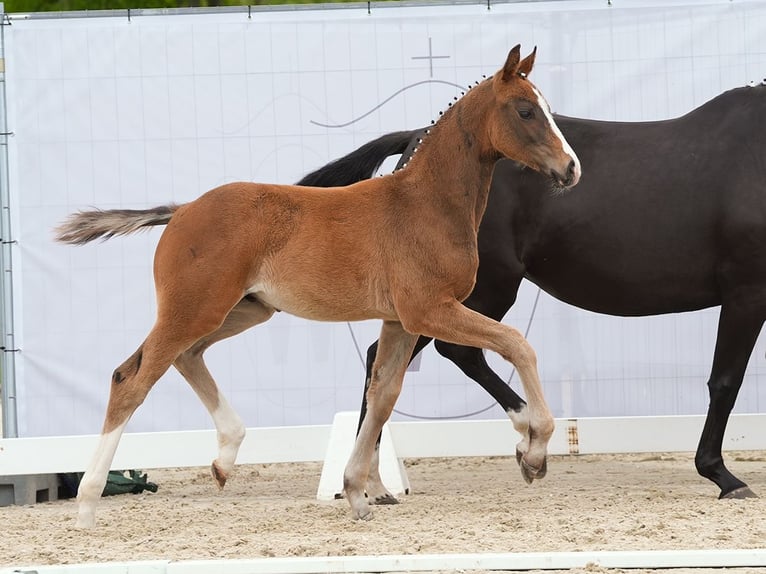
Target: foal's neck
455, 160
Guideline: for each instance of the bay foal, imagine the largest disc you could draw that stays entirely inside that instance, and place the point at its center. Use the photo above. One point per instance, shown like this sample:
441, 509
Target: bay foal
400, 248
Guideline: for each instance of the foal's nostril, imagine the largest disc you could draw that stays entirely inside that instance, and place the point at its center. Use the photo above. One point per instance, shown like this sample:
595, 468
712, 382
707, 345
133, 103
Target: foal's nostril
568, 178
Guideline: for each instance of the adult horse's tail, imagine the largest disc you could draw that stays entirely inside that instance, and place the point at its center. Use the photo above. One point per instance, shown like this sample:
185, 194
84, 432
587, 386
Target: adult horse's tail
361, 163
85, 226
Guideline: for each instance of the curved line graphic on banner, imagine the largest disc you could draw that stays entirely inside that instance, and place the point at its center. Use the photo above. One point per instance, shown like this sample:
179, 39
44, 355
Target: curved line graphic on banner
384, 102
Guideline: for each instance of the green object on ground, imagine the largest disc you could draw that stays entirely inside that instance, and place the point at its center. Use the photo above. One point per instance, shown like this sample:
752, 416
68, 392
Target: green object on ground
117, 482
127, 481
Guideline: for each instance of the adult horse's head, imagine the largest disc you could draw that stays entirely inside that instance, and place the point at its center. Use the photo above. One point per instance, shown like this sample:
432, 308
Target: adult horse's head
523, 127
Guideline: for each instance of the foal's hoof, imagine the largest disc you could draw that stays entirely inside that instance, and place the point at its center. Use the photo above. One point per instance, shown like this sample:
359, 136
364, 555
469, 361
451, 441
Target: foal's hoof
386, 498
218, 475
365, 514
531, 473
738, 493
85, 521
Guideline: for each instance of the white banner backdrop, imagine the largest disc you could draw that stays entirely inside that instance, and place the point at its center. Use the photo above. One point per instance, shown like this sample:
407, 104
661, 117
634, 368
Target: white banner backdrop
117, 112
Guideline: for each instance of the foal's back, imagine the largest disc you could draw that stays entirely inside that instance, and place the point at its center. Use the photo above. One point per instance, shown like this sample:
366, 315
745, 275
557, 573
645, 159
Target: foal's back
321, 253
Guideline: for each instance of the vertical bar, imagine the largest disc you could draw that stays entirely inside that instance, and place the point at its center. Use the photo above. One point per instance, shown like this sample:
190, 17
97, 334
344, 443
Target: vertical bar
7, 357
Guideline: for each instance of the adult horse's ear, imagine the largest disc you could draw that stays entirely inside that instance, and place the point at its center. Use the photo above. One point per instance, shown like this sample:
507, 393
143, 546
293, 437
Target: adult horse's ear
512, 63
525, 67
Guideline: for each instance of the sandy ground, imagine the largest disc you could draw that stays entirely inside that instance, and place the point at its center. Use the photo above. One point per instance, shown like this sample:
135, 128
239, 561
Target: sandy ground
461, 505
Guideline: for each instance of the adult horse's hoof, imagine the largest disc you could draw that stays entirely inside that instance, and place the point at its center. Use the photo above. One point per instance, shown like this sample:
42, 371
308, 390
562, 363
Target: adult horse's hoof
738, 493
218, 475
386, 498
531, 473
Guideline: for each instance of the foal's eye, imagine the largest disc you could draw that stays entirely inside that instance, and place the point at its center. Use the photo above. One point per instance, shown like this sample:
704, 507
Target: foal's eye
525, 114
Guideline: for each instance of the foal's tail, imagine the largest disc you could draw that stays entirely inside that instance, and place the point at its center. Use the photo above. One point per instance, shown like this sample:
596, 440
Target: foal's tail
85, 226
361, 163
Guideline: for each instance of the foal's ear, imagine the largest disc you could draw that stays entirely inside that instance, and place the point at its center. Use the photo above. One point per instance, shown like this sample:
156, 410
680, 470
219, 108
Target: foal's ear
512, 63
525, 67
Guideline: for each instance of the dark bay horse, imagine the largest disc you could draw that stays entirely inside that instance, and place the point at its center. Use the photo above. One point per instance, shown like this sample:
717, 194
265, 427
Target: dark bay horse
669, 216
401, 248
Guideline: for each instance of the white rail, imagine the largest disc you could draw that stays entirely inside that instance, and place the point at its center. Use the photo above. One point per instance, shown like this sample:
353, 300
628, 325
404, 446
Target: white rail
410, 440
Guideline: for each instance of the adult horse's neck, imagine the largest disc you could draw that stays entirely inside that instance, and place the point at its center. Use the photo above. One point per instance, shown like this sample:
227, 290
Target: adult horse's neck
455, 160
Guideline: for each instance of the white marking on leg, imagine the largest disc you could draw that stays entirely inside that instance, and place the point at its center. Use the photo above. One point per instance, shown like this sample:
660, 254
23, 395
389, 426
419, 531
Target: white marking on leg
94, 479
520, 420
555, 128
544, 424
231, 432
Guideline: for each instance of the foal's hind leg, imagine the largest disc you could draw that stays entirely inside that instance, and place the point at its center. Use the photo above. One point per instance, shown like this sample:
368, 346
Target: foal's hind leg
131, 382
183, 318
394, 351
191, 364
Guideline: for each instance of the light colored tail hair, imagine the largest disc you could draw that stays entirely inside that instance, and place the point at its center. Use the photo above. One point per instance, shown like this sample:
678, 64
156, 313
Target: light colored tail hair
85, 226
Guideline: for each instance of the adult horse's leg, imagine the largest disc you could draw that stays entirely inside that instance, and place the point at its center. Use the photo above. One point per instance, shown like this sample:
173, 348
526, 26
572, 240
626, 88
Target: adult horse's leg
453, 322
738, 329
229, 426
394, 351
474, 365
377, 493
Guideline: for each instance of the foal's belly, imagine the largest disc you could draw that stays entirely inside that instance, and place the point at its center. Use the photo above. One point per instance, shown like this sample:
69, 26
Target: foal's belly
323, 302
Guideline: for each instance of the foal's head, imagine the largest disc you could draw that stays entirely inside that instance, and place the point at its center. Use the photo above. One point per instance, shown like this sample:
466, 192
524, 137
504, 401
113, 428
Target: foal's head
523, 128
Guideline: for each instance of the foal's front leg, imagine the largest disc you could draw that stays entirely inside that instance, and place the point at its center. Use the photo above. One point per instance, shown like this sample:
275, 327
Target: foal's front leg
394, 350
377, 493
453, 322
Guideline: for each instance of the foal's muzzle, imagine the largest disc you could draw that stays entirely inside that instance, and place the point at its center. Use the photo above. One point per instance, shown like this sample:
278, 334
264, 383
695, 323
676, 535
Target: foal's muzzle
568, 178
